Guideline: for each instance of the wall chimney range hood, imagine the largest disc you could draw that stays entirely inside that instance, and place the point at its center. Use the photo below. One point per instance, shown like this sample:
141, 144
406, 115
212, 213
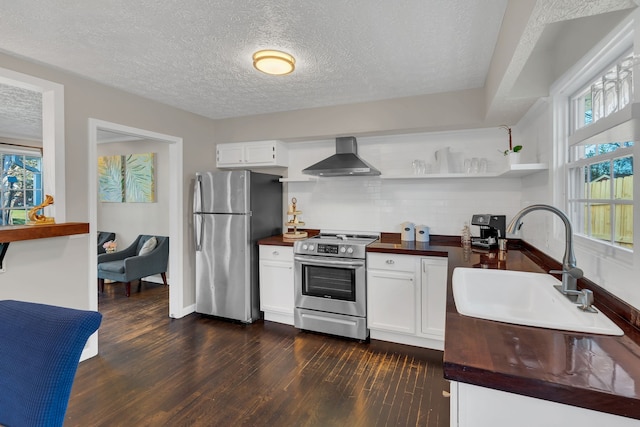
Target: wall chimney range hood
344, 163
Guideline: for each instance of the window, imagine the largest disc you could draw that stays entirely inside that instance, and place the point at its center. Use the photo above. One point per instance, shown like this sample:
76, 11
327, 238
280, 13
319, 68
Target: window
21, 185
609, 92
600, 175
601, 192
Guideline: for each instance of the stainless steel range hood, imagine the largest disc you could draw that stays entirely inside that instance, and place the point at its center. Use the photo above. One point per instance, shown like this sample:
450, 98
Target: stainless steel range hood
344, 163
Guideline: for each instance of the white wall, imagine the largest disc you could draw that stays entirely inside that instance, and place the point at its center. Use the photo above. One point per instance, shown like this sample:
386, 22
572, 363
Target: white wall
128, 220
441, 111
48, 271
377, 204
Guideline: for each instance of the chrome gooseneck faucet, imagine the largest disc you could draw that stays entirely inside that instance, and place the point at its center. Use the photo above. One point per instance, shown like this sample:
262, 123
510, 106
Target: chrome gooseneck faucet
570, 273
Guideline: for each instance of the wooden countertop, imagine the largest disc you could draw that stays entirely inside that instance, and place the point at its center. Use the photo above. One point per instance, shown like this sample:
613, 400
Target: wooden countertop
280, 240
590, 371
15, 233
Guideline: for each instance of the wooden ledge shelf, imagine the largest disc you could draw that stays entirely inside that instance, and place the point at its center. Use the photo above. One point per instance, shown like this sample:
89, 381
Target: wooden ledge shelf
16, 233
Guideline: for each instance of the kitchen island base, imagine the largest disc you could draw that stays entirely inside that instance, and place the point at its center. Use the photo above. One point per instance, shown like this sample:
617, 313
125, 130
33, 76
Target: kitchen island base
474, 406
431, 343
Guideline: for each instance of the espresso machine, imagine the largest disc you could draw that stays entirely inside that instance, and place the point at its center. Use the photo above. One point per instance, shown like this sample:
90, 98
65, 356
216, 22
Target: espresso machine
492, 228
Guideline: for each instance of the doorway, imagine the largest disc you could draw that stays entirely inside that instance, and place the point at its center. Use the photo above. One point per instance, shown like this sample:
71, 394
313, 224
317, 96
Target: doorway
175, 206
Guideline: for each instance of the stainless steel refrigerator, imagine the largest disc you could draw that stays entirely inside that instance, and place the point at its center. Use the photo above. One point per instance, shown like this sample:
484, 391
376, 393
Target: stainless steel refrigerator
232, 210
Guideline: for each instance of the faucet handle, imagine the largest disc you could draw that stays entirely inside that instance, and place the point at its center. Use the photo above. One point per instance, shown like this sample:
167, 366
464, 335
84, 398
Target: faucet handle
574, 272
585, 301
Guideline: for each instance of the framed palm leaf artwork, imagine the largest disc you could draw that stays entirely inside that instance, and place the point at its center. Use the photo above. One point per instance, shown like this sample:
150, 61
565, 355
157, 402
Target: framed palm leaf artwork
110, 179
139, 178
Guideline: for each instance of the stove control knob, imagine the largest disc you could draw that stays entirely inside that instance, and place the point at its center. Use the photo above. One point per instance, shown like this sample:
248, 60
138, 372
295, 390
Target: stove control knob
343, 250
350, 250
311, 247
304, 247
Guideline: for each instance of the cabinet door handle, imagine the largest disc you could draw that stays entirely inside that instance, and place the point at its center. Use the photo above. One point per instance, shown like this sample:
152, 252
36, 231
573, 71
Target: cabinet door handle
390, 261
275, 253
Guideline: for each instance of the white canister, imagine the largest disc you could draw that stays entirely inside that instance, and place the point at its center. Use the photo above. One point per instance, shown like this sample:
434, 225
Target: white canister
422, 233
408, 232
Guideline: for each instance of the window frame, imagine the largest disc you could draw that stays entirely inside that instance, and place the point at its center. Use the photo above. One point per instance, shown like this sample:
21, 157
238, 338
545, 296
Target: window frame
562, 93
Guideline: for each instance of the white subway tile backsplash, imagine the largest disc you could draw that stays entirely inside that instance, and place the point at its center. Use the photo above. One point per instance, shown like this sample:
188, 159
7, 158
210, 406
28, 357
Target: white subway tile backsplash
336, 205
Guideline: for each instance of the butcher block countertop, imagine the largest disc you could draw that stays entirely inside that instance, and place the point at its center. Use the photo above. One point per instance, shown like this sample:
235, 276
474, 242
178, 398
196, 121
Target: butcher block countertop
595, 372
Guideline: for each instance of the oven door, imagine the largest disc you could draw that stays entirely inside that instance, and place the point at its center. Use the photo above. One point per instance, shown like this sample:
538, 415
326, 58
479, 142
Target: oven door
329, 284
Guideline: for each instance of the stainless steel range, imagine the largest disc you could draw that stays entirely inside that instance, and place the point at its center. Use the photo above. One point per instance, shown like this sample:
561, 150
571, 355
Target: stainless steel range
330, 283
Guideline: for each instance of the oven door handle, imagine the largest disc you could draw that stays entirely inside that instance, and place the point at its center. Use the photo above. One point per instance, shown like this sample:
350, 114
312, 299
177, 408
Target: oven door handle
328, 261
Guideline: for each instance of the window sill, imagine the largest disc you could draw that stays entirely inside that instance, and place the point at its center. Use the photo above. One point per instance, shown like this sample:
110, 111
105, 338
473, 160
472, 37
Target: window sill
620, 255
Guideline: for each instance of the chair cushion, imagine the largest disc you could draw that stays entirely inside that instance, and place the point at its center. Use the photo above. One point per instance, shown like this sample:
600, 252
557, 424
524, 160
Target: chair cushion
148, 246
112, 266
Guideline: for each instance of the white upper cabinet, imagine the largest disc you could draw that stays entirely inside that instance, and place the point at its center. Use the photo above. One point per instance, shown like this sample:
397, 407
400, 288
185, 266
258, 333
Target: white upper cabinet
252, 154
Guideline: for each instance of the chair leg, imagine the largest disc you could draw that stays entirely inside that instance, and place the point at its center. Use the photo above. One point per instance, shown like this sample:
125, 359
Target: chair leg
127, 287
164, 278
101, 285
139, 285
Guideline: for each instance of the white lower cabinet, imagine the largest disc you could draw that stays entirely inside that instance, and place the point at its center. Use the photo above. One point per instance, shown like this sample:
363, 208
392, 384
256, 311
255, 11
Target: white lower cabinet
406, 299
475, 406
391, 294
276, 283
434, 297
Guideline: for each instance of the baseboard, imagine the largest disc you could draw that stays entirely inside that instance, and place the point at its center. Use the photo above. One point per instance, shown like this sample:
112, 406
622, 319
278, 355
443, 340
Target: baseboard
185, 311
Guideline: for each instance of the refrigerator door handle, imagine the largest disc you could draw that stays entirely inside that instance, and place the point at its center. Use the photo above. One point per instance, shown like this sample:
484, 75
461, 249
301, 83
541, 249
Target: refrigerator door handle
198, 231
197, 195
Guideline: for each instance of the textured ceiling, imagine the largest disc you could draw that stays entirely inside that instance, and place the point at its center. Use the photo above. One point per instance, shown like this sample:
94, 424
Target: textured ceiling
20, 113
196, 55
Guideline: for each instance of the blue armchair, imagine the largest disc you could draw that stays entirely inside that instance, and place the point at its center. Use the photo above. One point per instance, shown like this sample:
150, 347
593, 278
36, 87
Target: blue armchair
40, 348
129, 264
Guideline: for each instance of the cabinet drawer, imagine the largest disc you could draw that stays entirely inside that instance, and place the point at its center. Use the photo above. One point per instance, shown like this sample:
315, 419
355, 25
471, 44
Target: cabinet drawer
276, 253
392, 262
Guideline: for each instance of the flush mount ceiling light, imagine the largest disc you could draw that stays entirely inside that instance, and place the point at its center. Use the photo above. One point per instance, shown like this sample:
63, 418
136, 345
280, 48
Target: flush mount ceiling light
273, 62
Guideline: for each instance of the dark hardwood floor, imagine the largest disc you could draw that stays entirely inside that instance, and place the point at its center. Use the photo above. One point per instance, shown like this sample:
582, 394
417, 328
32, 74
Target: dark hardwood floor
201, 371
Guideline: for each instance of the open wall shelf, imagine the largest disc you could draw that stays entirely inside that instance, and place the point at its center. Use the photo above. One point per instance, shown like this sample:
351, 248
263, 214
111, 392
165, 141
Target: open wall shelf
514, 171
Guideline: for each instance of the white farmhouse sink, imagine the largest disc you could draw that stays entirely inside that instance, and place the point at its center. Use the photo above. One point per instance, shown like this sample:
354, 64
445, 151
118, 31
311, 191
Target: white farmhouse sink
523, 298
